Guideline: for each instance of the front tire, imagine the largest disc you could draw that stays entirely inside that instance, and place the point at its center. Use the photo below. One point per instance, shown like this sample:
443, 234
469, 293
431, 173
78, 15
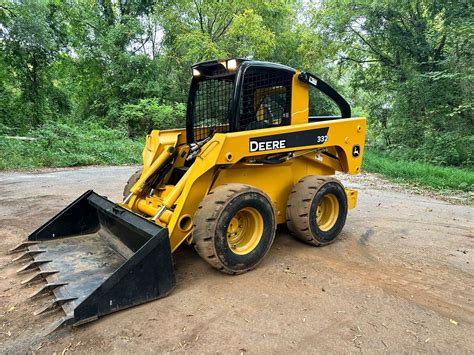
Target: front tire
131, 181
317, 209
234, 228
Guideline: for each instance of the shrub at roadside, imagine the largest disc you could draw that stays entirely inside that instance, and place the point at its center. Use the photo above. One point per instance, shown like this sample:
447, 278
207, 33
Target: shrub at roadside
424, 174
62, 145
149, 114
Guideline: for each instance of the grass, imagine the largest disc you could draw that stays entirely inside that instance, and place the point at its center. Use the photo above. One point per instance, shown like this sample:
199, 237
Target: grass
419, 173
62, 145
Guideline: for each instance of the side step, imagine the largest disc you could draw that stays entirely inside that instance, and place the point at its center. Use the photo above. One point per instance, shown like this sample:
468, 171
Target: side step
97, 258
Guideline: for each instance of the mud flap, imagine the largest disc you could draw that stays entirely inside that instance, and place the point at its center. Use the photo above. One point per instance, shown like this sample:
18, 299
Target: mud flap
97, 258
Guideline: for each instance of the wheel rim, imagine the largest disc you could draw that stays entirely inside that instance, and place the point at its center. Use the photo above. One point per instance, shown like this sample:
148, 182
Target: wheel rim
245, 230
327, 212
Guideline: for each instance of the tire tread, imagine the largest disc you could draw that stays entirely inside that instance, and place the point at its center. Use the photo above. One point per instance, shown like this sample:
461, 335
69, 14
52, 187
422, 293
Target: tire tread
298, 206
206, 218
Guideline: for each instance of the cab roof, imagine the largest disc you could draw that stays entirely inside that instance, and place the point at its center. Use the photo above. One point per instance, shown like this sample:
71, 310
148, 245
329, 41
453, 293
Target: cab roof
212, 67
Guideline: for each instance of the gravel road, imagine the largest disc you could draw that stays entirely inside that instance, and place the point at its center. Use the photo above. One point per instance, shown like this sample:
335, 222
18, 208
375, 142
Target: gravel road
399, 279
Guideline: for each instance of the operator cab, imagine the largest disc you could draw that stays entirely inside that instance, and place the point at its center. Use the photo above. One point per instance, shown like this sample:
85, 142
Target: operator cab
238, 95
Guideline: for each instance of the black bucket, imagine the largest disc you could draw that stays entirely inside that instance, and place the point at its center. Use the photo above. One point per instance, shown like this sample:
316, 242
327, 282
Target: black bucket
98, 258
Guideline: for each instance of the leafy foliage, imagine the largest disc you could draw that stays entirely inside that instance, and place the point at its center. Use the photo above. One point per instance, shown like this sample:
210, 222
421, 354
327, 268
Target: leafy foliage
149, 114
411, 64
124, 65
419, 173
61, 145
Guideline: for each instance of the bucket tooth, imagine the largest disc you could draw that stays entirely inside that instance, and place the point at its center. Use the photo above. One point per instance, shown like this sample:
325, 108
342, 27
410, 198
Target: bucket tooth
24, 256
63, 322
47, 288
22, 246
41, 275
33, 264
53, 305
28, 254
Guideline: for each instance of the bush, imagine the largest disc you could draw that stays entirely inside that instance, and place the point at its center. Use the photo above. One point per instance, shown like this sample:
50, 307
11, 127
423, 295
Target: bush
443, 149
429, 119
419, 173
62, 145
150, 114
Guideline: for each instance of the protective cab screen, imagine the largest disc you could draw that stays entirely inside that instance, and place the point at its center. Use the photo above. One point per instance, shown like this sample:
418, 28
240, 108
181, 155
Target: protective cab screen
212, 105
265, 99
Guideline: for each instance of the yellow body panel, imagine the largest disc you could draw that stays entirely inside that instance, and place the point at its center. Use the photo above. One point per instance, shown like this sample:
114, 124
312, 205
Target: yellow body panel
276, 180
227, 158
299, 101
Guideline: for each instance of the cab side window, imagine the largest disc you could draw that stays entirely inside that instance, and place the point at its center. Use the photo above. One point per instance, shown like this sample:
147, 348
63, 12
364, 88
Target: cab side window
320, 105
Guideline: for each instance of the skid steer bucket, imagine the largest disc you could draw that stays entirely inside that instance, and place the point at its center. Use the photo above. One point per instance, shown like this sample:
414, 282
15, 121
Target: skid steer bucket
97, 258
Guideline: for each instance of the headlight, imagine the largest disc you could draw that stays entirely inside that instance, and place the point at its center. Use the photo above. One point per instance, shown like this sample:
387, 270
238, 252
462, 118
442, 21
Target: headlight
196, 72
231, 64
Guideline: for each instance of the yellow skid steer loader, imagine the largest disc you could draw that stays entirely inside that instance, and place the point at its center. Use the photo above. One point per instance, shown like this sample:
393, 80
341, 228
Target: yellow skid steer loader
250, 158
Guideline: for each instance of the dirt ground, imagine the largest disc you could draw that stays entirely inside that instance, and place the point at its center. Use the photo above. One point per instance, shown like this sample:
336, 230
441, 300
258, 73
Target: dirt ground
399, 279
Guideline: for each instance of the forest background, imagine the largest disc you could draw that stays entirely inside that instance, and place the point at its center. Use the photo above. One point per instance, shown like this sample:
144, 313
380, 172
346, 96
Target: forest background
81, 82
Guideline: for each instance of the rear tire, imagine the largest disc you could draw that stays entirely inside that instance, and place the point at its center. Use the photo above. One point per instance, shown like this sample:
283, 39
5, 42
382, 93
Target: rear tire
132, 181
234, 228
317, 209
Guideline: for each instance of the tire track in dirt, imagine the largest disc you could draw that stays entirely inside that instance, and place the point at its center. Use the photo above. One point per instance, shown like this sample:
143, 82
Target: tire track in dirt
412, 286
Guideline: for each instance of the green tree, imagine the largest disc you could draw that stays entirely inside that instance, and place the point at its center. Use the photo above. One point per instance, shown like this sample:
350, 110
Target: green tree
31, 41
411, 62
126, 64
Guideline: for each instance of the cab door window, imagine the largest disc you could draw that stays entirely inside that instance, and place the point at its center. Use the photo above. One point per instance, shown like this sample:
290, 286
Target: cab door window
265, 99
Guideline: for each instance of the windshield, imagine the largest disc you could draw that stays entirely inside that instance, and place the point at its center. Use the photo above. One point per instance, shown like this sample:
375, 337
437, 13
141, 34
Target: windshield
212, 105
